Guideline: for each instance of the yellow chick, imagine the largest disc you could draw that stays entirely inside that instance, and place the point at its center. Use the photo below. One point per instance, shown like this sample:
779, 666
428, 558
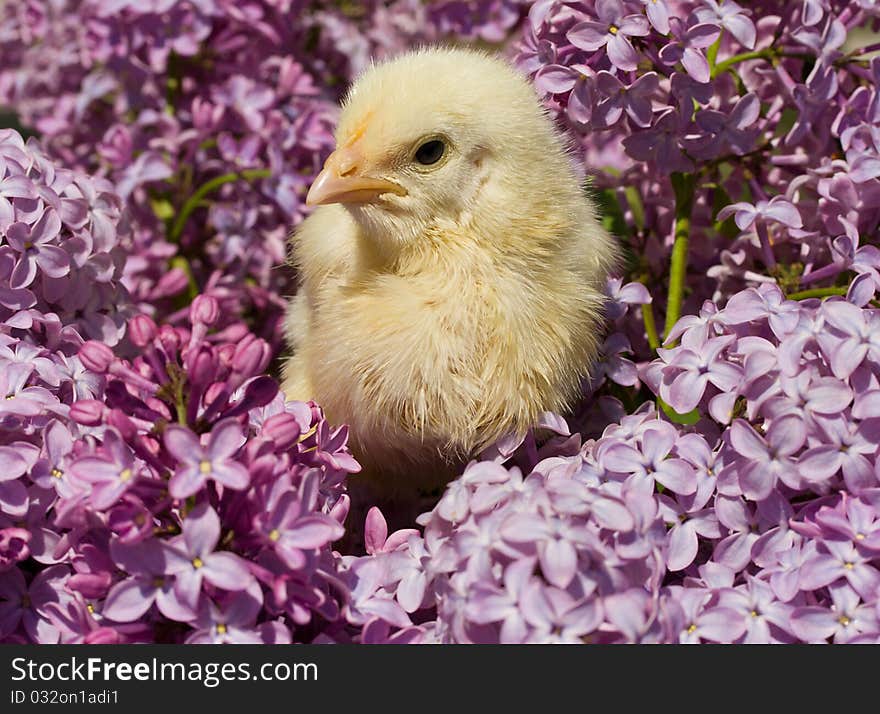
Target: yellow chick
451, 276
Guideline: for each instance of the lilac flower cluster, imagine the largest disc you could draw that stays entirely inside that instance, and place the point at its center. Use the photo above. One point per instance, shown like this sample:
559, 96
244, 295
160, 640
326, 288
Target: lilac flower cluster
721, 480
209, 117
188, 503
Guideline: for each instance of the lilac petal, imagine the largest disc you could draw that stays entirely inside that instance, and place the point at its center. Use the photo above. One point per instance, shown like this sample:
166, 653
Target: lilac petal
182, 444
867, 405
612, 514
847, 358
201, 530
231, 474
819, 463
375, 531
742, 29
411, 590
622, 54
186, 481
226, 571
23, 273
622, 458
128, 600
313, 532
682, 546
819, 571
785, 584
293, 557
783, 212
813, 624
226, 439
12, 464
703, 34
54, 261
865, 580
677, 475
13, 498
696, 65
658, 17
188, 586
858, 474
735, 551
588, 35
721, 625
556, 79
171, 606
686, 391
746, 441
558, 562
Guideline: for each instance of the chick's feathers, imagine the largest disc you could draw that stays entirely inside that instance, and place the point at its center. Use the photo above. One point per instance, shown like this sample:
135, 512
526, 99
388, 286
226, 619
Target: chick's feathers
436, 322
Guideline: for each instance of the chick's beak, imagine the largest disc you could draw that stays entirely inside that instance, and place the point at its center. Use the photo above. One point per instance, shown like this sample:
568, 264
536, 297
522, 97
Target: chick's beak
342, 180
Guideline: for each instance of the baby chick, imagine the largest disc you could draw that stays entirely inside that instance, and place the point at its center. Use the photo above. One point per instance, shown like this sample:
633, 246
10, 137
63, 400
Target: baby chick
451, 276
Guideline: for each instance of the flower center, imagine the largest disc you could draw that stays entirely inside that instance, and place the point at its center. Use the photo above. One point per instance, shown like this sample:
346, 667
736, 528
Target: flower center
57, 473
221, 629
849, 566
197, 562
125, 475
274, 535
692, 629
204, 466
613, 29
28, 245
754, 613
158, 582
860, 536
844, 620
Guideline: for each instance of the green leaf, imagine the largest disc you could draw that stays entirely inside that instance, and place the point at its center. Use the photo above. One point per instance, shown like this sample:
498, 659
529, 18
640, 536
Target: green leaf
692, 417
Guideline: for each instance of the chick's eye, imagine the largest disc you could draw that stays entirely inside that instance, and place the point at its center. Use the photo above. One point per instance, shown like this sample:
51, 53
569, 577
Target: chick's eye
430, 152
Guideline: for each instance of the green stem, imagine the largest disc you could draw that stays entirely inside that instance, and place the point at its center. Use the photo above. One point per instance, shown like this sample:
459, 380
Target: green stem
683, 185
178, 261
193, 202
765, 53
650, 326
817, 293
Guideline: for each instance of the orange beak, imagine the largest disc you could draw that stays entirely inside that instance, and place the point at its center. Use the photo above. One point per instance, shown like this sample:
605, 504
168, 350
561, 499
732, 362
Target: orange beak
342, 181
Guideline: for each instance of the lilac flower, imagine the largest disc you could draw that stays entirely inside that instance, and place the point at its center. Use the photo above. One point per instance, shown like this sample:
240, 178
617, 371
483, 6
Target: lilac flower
292, 529
613, 29
652, 463
150, 582
34, 245
658, 15
767, 460
731, 17
689, 374
688, 45
846, 618
110, 475
837, 560
765, 619
719, 131
213, 461
196, 560
234, 622
697, 617
634, 100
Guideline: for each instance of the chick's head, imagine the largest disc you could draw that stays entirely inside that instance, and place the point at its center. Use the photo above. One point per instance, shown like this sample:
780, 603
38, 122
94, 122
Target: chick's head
437, 137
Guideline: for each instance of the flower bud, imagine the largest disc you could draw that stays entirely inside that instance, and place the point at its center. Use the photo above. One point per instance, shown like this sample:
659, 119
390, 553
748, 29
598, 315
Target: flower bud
142, 330
283, 429
88, 412
204, 310
96, 356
